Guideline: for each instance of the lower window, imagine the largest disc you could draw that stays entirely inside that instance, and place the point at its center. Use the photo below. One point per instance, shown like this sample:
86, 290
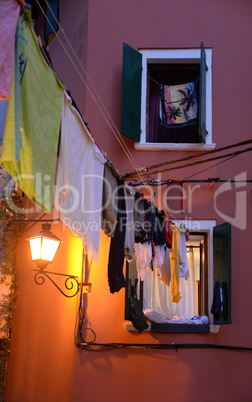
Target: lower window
196, 284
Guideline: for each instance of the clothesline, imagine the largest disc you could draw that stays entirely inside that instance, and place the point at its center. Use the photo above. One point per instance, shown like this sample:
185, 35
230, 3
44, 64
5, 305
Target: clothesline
148, 168
158, 83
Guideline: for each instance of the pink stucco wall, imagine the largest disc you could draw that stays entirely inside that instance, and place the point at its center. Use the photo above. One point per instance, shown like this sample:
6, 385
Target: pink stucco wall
44, 364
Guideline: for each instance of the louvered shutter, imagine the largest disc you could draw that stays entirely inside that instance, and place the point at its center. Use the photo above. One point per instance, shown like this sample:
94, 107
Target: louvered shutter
51, 24
222, 269
202, 94
131, 93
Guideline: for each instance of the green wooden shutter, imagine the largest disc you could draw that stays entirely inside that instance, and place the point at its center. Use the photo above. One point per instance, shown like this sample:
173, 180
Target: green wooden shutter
131, 93
222, 268
50, 20
202, 94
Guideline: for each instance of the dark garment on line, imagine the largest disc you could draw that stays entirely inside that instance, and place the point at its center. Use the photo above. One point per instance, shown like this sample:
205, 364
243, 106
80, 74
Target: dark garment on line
116, 253
225, 300
159, 230
76, 107
140, 232
216, 305
109, 205
149, 221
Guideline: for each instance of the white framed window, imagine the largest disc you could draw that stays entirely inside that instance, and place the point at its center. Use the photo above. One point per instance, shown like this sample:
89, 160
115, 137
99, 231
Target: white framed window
211, 246
144, 73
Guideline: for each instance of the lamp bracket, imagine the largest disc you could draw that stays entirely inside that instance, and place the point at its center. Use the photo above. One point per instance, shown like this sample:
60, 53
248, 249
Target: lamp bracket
72, 284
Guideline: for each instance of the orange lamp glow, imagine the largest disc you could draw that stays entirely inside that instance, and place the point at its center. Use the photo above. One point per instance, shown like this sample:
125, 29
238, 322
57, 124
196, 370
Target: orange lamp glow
44, 246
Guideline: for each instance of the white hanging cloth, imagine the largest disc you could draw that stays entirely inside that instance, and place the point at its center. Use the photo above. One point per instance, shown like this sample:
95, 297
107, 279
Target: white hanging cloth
157, 305
79, 180
143, 258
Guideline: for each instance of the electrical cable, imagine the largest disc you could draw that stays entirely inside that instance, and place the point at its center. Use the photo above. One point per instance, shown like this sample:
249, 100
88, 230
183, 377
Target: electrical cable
129, 174
81, 317
109, 346
196, 163
179, 181
195, 174
157, 183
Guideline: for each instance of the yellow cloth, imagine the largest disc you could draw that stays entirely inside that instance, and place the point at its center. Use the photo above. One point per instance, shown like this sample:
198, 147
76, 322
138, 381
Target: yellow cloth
175, 263
38, 97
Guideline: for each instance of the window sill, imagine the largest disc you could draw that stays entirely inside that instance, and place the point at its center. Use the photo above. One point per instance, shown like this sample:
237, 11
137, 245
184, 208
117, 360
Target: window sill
151, 146
129, 326
213, 329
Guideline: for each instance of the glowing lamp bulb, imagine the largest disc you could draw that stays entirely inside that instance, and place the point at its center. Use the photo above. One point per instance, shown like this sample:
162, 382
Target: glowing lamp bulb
44, 246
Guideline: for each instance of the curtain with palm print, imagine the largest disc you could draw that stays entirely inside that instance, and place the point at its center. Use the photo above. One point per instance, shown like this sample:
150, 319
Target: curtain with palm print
179, 104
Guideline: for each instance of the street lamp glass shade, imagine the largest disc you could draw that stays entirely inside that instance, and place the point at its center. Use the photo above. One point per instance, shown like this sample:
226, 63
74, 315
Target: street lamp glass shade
43, 248
44, 245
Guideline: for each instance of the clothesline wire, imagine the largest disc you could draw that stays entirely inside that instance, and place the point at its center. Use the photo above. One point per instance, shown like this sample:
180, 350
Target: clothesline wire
195, 174
130, 174
178, 181
104, 112
176, 101
210, 167
156, 183
195, 163
156, 82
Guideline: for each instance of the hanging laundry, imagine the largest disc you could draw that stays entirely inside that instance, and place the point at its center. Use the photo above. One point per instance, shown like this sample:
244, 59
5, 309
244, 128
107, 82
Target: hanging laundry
187, 304
157, 303
168, 231
175, 263
165, 272
116, 253
140, 231
79, 180
143, 258
216, 304
129, 234
149, 221
109, 202
3, 114
159, 229
158, 260
179, 104
224, 287
9, 13
183, 229
183, 268
32, 127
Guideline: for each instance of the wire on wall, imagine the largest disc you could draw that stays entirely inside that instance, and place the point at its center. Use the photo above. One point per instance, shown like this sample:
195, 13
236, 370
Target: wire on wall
238, 144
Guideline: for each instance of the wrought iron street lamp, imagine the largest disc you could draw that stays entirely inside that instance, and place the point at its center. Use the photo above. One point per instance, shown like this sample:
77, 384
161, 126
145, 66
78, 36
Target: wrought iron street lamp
44, 246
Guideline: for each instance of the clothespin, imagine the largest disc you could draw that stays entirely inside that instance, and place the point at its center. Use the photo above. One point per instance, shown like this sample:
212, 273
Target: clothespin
213, 181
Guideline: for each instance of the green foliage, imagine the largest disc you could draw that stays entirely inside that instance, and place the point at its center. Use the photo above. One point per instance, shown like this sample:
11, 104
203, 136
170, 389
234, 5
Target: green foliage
11, 209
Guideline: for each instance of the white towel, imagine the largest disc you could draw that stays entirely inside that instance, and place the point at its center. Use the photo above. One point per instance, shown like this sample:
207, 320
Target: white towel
79, 181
